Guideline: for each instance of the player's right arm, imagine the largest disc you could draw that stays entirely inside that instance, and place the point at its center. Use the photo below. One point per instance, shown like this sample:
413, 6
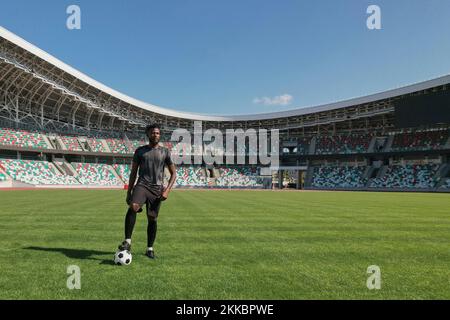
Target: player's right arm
132, 180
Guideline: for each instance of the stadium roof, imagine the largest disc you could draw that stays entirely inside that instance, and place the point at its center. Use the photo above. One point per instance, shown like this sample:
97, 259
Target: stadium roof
16, 40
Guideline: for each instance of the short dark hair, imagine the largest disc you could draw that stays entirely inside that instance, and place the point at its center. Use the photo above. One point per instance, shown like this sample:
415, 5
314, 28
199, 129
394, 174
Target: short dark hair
152, 126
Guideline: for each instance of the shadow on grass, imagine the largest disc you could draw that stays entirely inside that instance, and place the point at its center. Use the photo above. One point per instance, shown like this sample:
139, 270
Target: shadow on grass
77, 253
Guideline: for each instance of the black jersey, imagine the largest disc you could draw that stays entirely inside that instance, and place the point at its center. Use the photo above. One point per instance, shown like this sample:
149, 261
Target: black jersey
151, 161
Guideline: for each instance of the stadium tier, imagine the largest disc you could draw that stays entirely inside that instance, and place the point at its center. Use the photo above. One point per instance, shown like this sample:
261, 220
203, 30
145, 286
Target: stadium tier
422, 140
96, 174
2, 176
118, 146
137, 143
196, 176
123, 170
339, 177
97, 145
407, 176
238, 177
22, 138
192, 176
36, 173
446, 184
343, 144
71, 143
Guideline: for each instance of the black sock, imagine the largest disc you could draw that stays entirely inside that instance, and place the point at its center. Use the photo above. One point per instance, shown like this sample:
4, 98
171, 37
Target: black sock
151, 232
130, 220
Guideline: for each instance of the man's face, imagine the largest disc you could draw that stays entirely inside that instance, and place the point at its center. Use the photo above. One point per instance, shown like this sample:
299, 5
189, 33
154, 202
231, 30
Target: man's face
154, 135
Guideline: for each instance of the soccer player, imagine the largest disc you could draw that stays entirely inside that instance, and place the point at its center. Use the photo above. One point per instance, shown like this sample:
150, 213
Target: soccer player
149, 189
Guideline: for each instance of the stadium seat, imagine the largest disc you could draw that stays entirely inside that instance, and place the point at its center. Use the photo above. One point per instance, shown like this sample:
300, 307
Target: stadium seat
22, 138
193, 176
123, 170
96, 145
118, 146
339, 177
446, 184
137, 143
343, 144
407, 176
425, 140
71, 143
238, 177
36, 172
96, 174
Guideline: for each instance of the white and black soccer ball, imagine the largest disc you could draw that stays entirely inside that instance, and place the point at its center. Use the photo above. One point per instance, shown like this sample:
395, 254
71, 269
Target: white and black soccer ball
122, 258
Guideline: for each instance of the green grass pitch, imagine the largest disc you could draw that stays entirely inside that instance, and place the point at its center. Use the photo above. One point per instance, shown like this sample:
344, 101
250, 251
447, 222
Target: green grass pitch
228, 245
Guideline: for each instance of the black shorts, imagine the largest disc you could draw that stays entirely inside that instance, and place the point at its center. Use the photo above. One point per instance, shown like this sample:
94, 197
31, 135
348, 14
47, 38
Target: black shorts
151, 196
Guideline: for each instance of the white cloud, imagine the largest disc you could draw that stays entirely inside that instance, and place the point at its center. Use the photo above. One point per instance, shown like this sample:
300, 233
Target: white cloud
282, 100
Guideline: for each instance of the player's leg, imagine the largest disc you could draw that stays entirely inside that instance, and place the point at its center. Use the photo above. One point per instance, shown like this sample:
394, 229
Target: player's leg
151, 235
152, 227
130, 221
137, 200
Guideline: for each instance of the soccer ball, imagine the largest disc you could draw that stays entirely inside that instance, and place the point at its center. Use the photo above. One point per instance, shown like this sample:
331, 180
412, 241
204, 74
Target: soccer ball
123, 258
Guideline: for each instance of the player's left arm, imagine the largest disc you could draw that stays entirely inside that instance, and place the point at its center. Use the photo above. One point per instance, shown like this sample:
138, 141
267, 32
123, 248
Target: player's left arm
173, 176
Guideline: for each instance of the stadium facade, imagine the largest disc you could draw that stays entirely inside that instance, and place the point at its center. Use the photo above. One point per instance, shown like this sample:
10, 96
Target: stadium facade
59, 127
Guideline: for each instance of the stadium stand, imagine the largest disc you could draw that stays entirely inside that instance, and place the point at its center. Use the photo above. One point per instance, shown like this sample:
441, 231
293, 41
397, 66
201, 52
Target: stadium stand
123, 170
71, 143
407, 176
446, 184
118, 146
193, 176
339, 177
137, 143
422, 140
96, 145
343, 144
36, 172
238, 177
22, 138
362, 134
96, 174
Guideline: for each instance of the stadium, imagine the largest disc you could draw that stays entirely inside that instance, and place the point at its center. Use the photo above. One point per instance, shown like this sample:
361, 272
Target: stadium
63, 134
62, 128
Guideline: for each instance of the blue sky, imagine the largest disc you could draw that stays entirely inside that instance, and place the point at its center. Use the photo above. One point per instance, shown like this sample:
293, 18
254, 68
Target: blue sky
237, 56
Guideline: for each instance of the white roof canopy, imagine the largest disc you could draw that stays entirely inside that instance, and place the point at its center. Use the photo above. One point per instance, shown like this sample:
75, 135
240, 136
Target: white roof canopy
193, 116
